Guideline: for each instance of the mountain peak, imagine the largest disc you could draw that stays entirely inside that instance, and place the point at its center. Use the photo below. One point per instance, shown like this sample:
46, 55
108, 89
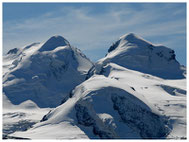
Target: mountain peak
134, 52
129, 38
134, 39
53, 42
42, 74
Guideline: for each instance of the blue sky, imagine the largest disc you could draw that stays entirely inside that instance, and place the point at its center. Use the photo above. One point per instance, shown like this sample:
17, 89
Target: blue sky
93, 27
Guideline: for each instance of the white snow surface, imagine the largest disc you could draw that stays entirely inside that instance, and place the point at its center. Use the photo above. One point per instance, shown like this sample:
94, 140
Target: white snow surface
44, 73
132, 93
133, 52
95, 95
36, 78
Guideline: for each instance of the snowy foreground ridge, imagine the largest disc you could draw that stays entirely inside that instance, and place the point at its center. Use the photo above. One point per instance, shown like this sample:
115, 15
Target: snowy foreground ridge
52, 90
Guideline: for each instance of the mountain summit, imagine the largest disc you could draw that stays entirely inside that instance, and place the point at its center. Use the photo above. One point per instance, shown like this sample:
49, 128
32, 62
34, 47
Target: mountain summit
53, 42
133, 52
130, 38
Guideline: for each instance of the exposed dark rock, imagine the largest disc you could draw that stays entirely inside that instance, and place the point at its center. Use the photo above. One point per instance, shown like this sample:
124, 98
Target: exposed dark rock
148, 123
21, 125
101, 133
45, 117
11, 137
83, 116
13, 51
133, 88
114, 46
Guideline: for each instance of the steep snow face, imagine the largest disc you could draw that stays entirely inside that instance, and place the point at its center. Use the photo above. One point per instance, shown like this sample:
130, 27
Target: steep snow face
44, 73
135, 53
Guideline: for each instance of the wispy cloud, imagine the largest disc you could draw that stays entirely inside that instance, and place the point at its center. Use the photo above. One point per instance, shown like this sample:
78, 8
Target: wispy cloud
89, 30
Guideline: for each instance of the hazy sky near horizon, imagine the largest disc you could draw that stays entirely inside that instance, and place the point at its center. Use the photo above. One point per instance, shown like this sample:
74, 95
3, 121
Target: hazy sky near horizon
93, 27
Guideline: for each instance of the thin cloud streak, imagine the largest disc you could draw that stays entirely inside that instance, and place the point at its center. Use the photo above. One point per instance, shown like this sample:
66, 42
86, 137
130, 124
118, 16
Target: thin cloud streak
97, 31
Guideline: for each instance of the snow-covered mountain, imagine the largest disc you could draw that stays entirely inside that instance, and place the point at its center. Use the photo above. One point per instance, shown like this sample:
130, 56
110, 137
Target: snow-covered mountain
129, 94
135, 53
117, 102
43, 73
122, 104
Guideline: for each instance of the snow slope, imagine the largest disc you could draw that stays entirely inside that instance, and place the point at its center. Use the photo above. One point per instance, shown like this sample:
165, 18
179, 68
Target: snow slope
138, 91
37, 77
117, 105
43, 73
20, 117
